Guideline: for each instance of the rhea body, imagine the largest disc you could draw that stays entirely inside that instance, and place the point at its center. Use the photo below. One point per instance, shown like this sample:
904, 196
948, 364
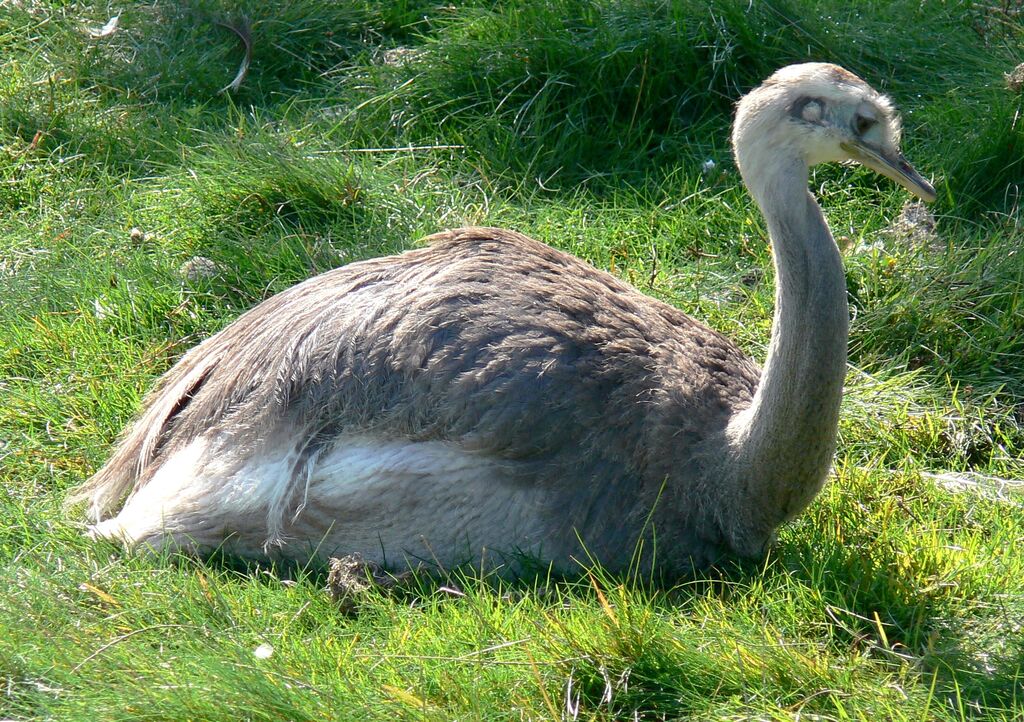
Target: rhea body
489, 395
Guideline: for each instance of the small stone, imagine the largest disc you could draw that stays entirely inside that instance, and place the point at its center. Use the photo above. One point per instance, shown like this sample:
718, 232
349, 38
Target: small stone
101, 310
397, 57
915, 223
350, 577
1015, 79
198, 268
139, 237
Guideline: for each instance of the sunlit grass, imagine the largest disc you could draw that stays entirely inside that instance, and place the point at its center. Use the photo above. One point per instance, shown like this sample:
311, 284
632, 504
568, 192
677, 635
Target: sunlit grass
363, 126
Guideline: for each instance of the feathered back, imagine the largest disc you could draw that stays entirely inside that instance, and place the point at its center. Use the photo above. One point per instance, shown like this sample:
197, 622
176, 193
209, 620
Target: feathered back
485, 338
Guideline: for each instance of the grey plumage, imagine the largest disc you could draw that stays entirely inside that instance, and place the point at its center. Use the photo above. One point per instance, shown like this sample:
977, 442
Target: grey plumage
567, 413
486, 339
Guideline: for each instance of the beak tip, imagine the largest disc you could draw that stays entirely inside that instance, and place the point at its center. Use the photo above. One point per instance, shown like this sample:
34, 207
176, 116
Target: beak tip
926, 192
893, 165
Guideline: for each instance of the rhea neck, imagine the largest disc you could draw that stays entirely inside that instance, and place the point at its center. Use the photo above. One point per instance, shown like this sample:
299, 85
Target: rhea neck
783, 444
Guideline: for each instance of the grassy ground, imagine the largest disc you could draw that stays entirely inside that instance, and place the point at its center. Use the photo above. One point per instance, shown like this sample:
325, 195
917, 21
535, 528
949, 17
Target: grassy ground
362, 126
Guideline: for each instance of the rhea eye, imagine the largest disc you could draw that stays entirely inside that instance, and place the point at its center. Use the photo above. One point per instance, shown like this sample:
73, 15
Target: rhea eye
862, 124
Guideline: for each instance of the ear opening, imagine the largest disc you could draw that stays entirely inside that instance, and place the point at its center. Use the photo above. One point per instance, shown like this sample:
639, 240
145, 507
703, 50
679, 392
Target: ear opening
808, 109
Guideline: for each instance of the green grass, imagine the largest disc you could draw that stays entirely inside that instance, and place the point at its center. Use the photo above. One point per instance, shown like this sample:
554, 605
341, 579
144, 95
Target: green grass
898, 595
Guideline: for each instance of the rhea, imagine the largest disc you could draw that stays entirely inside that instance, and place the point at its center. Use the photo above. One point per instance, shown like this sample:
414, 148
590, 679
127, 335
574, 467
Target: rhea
488, 396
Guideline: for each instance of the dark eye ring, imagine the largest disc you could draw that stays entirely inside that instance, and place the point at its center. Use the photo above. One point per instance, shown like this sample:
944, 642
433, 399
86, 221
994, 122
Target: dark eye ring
862, 124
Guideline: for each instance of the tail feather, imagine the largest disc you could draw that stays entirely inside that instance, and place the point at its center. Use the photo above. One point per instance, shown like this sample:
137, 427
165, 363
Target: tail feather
132, 463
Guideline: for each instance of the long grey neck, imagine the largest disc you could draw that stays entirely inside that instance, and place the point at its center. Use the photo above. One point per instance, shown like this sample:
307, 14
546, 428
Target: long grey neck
785, 441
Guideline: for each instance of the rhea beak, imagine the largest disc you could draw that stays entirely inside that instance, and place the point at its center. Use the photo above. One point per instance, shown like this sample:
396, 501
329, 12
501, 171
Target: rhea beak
893, 165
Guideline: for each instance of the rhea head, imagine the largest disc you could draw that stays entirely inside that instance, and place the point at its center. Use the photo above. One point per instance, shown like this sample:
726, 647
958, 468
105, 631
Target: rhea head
815, 113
